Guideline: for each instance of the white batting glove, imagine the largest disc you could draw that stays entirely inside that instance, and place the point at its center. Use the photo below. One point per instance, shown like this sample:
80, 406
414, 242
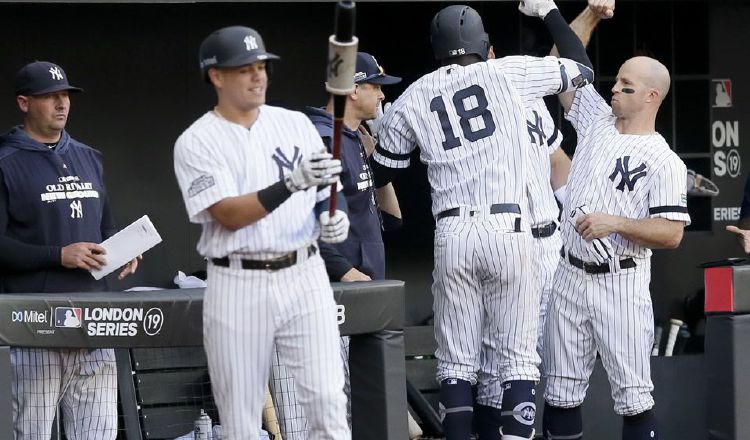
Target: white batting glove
334, 229
317, 170
603, 9
536, 8
376, 124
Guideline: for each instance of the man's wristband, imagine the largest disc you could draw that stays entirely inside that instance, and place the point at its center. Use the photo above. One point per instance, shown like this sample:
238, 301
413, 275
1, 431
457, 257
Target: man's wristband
273, 196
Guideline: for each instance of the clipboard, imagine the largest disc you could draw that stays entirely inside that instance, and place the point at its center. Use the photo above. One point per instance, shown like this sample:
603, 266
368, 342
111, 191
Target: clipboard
134, 240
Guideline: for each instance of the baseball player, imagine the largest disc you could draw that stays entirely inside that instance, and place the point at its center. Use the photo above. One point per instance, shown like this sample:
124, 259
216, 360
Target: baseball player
361, 257
255, 177
467, 118
54, 209
625, 196
551, 166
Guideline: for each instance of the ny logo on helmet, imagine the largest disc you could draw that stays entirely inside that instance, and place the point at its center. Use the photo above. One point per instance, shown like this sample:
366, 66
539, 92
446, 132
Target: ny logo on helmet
629, 177
56, 73
251, 43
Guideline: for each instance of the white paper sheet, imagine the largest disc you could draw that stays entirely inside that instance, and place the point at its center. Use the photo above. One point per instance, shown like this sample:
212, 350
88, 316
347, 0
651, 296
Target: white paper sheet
134, 240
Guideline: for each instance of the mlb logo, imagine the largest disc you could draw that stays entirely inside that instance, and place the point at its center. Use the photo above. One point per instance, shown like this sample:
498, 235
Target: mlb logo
722, 93
68, 317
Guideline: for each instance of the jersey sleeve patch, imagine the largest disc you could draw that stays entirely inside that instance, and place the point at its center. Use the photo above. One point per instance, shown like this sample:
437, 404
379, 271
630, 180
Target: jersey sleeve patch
200, 184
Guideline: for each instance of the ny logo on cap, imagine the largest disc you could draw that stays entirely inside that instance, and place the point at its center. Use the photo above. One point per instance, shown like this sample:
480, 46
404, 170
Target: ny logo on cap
250, 43
56, 73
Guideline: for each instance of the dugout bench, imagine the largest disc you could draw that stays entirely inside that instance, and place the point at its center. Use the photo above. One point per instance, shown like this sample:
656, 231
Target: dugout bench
136, 323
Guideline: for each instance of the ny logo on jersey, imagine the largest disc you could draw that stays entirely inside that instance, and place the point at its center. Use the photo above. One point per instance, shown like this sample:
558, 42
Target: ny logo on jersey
76, 209
629, 177
536, 128
284, 163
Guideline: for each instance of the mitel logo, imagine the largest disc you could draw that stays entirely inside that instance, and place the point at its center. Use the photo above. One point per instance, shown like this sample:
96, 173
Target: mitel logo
68, 317
28, 316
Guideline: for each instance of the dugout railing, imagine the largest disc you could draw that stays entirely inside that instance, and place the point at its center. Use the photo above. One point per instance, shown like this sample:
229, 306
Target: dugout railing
371, 313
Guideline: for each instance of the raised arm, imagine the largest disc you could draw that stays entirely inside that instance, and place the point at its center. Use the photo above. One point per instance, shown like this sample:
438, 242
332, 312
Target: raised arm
583, 26
585, 23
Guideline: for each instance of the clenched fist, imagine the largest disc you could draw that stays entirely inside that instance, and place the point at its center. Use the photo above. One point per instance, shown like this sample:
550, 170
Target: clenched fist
536, 8
334, 229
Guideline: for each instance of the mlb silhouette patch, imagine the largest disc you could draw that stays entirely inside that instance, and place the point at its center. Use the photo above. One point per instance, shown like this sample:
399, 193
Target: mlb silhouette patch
68, 317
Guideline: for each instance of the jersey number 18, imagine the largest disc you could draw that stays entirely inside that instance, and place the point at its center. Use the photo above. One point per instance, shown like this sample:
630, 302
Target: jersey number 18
465, 115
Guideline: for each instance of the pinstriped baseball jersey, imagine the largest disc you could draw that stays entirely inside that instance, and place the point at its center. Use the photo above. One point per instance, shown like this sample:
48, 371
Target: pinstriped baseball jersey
215, 159
609, 313
625, 175
246, 312
469, 124
545, 139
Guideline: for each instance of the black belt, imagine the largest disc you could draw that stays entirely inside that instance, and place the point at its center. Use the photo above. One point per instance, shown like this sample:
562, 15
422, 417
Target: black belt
497, 208
544, 231
281, 262
596, 268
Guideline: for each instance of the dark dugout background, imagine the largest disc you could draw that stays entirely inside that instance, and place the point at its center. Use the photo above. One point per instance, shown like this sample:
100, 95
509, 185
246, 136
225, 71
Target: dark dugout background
138, 64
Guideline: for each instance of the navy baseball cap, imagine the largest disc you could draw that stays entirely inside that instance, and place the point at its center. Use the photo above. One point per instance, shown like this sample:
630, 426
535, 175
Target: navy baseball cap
41, 77
368, 70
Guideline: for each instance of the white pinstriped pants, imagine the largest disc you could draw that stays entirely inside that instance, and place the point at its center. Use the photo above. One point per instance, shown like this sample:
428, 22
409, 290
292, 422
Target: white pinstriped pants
546, 258
486, 303
606, 313
82, 381
244, 313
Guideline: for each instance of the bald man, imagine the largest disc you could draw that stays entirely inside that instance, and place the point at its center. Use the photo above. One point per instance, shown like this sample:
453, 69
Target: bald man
626, 195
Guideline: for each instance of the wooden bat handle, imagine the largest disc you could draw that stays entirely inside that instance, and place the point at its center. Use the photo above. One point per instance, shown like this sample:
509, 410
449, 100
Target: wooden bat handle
342, 56
270, 420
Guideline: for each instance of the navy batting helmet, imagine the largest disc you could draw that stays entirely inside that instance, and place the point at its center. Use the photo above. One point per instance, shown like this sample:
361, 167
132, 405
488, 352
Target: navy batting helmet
232, 46
458, 30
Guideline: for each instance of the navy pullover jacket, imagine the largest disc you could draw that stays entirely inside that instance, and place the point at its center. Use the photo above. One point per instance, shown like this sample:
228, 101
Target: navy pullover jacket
363, 249
49, 198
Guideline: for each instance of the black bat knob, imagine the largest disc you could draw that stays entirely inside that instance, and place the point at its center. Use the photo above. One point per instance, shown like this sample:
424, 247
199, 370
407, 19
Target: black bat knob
344, 21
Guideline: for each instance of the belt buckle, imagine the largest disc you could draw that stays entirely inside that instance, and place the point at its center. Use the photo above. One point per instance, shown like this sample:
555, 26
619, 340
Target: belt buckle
472, 212
590, 267
267, 266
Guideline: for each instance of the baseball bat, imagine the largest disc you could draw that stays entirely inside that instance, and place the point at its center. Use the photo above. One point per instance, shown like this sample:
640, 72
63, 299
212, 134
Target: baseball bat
342, 57
270, 420
674, 327
422, 407
657, 340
